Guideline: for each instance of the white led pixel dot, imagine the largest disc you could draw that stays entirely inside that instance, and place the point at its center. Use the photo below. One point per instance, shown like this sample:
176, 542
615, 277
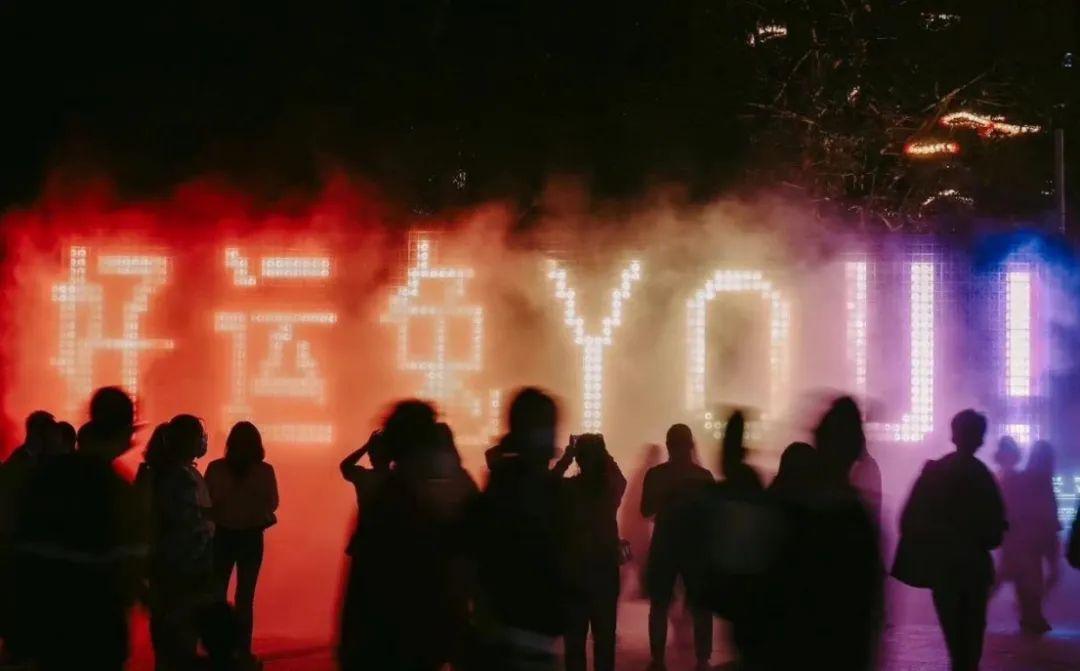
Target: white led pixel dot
76, 348
593, 345
736, 281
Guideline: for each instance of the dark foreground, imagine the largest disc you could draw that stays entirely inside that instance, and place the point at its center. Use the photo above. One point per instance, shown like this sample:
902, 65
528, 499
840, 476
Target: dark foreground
909, 647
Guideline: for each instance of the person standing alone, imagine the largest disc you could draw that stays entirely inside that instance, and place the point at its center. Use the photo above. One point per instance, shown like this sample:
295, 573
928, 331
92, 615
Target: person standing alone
244, 497
954, 517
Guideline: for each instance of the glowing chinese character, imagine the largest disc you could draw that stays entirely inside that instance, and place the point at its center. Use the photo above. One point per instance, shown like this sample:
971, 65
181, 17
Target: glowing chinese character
289, 369
81, 339
443, 375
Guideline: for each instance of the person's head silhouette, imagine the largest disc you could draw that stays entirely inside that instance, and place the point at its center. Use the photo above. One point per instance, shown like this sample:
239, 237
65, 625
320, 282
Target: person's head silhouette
968, 431
798, 469
591, 454
839, 437
243, 447
185, 439
1041, 460
41, 432
1007, 455
680, 443
409, 431
532, 418
68, 437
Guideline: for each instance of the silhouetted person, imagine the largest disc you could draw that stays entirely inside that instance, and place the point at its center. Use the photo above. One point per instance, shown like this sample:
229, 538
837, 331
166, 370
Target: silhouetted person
741, 535
797, 477
866, 478
16, 472
68, 437
406, 602
671, 492
521, 576
1032, 538
185, 603
80, 548
637, 530
591, 502
953, 518
244, 495
842, 570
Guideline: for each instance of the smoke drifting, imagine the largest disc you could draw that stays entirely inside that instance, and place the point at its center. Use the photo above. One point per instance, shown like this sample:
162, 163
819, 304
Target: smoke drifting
679, 243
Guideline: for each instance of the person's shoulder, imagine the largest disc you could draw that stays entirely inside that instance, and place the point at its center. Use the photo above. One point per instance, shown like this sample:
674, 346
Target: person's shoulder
215, 466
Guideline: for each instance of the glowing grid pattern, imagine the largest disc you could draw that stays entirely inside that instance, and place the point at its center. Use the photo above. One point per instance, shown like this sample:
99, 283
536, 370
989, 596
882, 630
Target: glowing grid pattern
1067, 492
730, 281
593, 345
442, 376
919, 420
857, 304
76, 349
1018, 332
272, 380
1023, 434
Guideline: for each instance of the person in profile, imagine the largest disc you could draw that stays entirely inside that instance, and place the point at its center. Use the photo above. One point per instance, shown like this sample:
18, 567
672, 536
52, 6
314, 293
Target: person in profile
520, 602
406, 603
593, 550
244, 495
953, 519
185, 602
80, 549
669, 496
1031, 541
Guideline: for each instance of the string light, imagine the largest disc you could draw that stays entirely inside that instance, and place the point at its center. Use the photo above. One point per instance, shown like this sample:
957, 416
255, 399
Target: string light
951, 194
1018, 332
766, 32
931, 148
593, 345
442, 375
734, 281
76, 350
936, 21
857, 303
986, 125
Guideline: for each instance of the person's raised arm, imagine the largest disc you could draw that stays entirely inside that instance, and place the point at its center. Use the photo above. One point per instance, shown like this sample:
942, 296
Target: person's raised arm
563, 464
350, 465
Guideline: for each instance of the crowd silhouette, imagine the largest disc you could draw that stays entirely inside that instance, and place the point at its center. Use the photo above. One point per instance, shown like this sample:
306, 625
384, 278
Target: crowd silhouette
445, 574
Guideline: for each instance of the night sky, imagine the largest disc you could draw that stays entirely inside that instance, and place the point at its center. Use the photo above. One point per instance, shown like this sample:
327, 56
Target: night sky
439, 103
